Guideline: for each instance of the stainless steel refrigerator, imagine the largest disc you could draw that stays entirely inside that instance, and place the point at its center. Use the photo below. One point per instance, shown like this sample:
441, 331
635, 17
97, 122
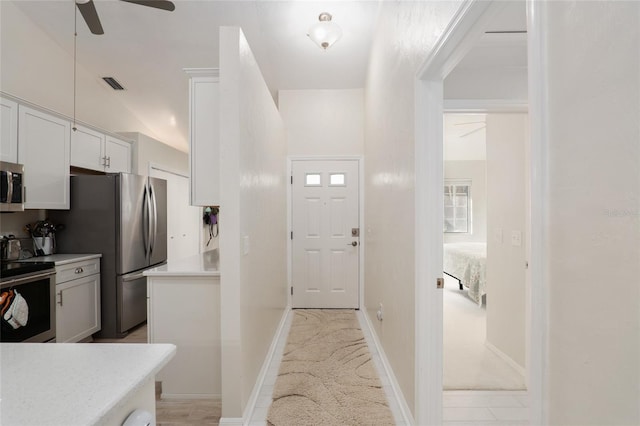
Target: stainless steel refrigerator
123, 217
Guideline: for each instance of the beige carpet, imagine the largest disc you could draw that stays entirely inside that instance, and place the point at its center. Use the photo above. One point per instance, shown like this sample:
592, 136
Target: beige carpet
326, 375
468, 363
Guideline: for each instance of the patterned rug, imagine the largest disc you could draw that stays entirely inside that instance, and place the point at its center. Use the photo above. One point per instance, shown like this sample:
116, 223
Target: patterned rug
327, 376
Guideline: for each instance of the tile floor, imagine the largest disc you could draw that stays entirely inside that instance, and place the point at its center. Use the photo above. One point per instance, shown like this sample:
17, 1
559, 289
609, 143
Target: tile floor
175, 412
485, 408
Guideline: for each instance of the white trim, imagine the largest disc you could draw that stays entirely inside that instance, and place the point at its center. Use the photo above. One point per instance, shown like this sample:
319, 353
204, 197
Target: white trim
506, 358
202, 72
407, 418
463, 31
231, 421
537, 309
190, 396
253, 398
289, 173
474, 106
158, 166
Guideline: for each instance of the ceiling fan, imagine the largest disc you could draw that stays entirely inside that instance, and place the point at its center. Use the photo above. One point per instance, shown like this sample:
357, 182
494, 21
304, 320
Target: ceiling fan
483, 125
88, 10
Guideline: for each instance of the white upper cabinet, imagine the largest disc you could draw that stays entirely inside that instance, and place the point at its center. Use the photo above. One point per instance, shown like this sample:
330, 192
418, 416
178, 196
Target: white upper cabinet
93, 150
118, 155
87, 147
204, 145
8, 131
44, 143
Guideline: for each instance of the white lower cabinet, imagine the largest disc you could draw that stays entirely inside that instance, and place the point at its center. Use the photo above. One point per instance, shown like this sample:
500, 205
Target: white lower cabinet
185, 311
77, 300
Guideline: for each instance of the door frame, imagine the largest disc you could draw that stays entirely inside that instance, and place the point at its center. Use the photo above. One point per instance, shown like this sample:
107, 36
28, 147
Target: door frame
360, 160
457, 40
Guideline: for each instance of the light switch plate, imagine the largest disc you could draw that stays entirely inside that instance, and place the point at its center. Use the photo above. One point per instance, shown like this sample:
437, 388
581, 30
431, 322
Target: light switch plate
516, 238
498, 235
245, 245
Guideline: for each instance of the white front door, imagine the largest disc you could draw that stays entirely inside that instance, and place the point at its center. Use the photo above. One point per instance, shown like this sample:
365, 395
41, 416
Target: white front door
325, 239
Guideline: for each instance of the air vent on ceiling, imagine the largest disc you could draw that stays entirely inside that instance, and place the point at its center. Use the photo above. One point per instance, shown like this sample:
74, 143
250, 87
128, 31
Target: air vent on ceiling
113, 83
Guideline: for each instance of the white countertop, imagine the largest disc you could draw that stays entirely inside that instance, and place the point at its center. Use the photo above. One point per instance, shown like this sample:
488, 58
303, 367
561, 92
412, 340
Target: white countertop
62, 259
53, 384
206, 264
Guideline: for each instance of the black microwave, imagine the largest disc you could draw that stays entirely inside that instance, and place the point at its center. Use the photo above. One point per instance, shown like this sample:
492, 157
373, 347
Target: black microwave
11, 187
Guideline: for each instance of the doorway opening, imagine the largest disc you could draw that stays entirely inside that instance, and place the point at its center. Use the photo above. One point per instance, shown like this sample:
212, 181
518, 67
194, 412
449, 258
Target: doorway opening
484, 292
467, 28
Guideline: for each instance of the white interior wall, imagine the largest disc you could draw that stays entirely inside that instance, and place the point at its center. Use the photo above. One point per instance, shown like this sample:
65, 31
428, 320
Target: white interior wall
253, 238
506, 213
36, 69
147, 150
494, 83
592, 63
323, 122
476, 172
405, 33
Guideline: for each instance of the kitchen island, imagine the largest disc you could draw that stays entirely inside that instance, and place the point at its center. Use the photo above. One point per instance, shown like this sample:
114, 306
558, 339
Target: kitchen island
183, 302
78, 384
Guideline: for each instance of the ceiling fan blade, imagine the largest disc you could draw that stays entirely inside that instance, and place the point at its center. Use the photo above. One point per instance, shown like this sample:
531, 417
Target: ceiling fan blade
468, 122
158, 4
88, 11
473, 131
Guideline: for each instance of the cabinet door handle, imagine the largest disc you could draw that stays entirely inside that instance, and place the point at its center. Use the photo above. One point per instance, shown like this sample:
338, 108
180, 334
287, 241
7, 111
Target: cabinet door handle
108, 161
60, 300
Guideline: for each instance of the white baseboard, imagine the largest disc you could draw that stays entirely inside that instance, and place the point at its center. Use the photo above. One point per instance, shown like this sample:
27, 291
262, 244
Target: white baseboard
506, 358
405, 411
190, 396
253, 398
231, 421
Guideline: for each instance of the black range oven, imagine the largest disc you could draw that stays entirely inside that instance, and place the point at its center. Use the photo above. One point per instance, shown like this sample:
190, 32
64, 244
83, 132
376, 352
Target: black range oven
27, 302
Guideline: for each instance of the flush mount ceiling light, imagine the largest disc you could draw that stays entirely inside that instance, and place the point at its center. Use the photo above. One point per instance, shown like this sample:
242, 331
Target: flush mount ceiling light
324, 33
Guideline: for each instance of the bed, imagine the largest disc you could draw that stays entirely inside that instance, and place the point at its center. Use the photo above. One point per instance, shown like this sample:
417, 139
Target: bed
467, 263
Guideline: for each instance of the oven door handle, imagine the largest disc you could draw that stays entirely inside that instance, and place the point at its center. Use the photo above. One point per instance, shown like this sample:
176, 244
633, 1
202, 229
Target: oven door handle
29, 278
9, 187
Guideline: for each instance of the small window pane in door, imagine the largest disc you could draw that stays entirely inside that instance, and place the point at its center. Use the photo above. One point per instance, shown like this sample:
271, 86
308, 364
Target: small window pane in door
312, 179
337, 179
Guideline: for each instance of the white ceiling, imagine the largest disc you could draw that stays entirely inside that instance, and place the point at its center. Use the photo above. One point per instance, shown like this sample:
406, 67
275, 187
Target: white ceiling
146, 49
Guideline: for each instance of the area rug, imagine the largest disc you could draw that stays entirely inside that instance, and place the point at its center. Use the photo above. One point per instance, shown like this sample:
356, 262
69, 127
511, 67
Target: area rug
326, 375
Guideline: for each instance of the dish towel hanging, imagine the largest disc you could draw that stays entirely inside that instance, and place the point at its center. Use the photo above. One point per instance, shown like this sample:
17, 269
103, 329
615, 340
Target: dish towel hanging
15, 309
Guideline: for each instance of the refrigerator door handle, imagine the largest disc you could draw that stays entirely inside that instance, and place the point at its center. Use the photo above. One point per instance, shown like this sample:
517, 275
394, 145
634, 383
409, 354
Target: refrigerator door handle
155, 218
127, 278
146, 222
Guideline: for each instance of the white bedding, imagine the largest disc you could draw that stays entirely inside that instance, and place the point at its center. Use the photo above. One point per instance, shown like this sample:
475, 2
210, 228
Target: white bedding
467, 262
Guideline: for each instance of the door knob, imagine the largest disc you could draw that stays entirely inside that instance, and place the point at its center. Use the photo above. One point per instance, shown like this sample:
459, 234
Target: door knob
353, 243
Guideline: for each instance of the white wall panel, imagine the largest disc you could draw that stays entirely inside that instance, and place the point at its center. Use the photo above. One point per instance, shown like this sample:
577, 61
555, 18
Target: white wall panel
593, 264
405, 33
323, 122
253, 204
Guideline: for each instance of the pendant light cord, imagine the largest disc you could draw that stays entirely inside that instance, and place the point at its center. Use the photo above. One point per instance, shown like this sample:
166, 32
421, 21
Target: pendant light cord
75, 48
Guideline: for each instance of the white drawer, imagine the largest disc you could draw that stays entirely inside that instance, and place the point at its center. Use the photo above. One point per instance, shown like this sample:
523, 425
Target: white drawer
71, 271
